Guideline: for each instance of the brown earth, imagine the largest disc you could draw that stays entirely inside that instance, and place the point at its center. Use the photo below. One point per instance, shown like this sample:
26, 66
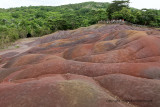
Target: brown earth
97, 66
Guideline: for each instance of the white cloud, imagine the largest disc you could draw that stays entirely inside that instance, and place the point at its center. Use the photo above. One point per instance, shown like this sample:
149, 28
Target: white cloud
17, 3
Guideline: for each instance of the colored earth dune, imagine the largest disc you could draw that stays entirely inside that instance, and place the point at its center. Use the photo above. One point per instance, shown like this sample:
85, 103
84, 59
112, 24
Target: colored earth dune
97, 66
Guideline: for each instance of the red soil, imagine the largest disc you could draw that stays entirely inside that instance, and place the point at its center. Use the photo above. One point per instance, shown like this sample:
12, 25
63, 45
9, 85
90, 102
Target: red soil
98, 66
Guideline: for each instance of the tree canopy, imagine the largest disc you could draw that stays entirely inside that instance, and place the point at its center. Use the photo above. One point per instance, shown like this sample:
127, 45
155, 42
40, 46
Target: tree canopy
117, 5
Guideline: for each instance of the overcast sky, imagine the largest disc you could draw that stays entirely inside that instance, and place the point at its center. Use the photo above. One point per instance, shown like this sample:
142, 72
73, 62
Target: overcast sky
154, 4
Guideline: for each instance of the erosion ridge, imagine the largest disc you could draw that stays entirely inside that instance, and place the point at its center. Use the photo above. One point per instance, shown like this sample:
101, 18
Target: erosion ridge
98, 66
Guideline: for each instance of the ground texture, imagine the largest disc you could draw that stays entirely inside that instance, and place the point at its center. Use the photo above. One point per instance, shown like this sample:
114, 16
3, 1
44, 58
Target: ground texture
97, 66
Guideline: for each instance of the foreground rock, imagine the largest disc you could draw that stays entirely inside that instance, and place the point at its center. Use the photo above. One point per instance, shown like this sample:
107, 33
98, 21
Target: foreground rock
98, 66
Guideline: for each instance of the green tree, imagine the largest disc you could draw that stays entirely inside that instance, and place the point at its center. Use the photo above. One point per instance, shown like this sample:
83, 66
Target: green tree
116, 5
125, 13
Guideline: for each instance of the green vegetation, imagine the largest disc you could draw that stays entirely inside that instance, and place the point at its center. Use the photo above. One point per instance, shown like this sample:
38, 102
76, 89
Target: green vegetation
119, 9
34, 21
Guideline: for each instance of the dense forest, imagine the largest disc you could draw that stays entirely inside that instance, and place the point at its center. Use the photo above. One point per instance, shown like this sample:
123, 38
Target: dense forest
34, 21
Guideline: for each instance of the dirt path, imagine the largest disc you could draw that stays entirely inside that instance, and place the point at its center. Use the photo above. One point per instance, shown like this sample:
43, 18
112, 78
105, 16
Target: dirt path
19, 46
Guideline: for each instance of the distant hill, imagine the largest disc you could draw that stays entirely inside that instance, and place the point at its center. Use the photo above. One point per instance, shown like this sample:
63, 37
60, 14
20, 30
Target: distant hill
40, 20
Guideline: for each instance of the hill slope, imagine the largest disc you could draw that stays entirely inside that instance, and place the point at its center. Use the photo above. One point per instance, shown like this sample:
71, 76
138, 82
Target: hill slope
97, 66
36, 21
